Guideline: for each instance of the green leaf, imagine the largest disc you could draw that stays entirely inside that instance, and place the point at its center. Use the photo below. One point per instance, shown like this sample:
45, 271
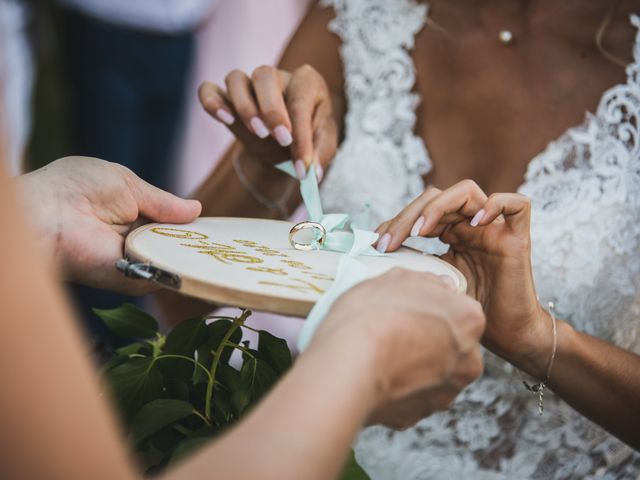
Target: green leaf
129, 349
167, 439
229, 376
176, 388
113, 362
187, 447
241, 397
157, 395
256, 379
156, 415
128, 321
265, 378
222, 407
353, 471
229, 382
186, 337
274, 351
151, 457
135, 383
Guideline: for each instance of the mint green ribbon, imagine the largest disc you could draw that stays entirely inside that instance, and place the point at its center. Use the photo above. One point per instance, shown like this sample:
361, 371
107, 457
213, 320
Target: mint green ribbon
358, 241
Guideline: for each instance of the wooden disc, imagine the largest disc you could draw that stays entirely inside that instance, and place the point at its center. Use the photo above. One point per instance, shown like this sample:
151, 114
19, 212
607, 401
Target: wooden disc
249, 263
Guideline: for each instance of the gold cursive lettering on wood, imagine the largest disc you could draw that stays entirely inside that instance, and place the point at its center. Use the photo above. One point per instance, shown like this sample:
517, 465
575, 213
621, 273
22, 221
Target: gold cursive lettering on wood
229, 254
319, 276
247, 243
178, 233
223, 253
296, 264
274, 271
303, 285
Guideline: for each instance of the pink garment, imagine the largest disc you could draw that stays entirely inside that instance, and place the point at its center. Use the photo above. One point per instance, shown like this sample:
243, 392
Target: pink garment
242, 34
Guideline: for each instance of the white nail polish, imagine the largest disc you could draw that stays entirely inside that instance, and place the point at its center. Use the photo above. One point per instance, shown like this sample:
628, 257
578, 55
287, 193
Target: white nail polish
283, 136
477, 218
301, 169
225, 116
415, 231
319, 172
383, 243
259, 128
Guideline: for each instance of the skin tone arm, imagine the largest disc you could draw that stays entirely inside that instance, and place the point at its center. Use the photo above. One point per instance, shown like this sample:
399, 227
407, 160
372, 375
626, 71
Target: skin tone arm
384, 353
294, 113
599, 380
490, 243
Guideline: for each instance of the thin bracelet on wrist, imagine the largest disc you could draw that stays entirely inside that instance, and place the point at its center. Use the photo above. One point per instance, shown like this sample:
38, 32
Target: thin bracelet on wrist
280, 204
539, 387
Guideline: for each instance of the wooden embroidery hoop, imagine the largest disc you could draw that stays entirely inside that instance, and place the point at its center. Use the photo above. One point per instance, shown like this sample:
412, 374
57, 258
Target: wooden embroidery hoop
226, 269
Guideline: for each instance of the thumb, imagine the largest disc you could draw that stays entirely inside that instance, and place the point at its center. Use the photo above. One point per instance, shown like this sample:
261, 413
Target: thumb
164, 207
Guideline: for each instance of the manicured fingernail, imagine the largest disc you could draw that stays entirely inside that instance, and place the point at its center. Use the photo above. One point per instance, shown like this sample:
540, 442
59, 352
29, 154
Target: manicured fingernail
225, 116
448, 281
383, 243
301, 169
415, 231
259, 128
477, 218
319, 172
283, 136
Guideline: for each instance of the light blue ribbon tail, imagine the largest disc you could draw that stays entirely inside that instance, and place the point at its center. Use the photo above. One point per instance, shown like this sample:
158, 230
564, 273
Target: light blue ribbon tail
308, 189
350, 273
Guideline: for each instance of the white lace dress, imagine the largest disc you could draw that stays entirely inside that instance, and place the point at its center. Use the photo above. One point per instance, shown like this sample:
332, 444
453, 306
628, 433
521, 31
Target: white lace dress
585, 189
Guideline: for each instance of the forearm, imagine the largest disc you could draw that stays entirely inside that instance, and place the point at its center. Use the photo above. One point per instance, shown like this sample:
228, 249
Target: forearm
225, 194
599, 380
303, 428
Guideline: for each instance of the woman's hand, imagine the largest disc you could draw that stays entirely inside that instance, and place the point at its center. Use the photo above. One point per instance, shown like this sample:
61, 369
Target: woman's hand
83, 208
490, 243
419, 339
277, 115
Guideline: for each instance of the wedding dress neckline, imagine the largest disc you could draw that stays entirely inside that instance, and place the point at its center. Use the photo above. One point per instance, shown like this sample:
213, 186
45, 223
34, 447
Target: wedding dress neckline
534, 163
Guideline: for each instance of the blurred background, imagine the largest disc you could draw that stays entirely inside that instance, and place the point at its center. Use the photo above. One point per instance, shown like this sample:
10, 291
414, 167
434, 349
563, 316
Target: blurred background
117, 80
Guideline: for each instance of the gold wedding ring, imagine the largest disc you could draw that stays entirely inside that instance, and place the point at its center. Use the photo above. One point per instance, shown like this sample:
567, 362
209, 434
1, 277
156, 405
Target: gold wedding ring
317, 240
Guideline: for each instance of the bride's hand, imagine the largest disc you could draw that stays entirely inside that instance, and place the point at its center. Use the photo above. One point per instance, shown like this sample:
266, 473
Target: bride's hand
490, 243
277, 115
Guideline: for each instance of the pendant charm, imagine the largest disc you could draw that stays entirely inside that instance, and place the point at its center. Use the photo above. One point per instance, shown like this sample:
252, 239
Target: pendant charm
539, 389
505, 37
541, 399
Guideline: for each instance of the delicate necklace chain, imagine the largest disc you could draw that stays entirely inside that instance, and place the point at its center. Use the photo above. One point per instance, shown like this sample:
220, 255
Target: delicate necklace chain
507, 37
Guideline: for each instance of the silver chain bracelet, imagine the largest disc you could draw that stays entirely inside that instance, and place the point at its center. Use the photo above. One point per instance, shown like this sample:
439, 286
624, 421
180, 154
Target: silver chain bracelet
280, 204
538, 388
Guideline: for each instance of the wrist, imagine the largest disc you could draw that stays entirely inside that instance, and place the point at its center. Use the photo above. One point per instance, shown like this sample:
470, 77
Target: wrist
43, 216
352, 360
268, 186
256, 168
535, 356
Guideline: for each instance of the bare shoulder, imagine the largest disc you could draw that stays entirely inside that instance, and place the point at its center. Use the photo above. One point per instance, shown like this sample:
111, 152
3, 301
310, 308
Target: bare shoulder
314, 44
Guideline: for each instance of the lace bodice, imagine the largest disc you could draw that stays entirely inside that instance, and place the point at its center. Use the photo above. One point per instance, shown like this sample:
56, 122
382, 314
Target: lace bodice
585, 192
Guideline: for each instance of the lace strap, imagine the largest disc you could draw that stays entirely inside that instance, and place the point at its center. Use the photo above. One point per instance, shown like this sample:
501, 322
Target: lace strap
635, 21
